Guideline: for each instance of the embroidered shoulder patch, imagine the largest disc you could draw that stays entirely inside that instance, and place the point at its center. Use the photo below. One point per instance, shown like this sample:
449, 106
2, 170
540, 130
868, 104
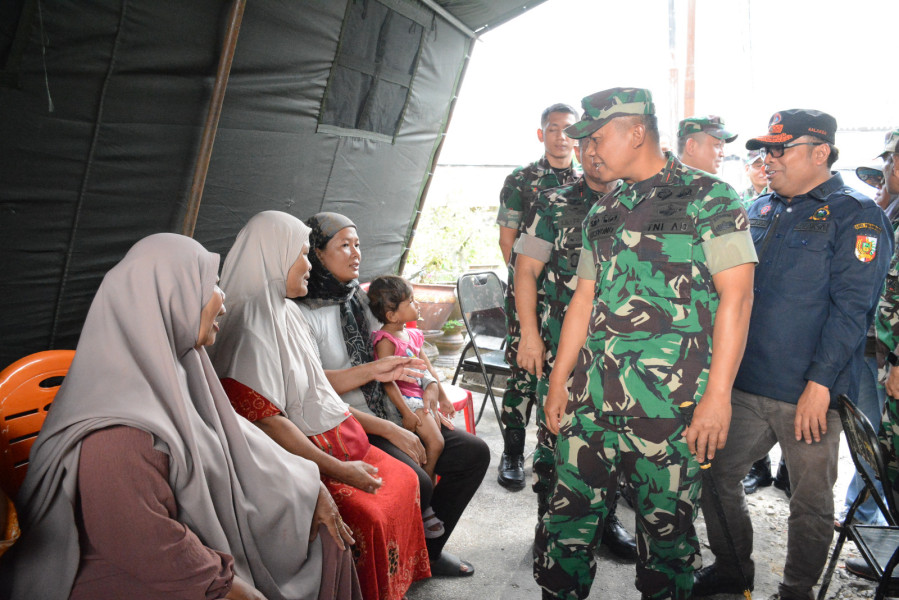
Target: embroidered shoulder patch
865, 247
871, 226
765, 210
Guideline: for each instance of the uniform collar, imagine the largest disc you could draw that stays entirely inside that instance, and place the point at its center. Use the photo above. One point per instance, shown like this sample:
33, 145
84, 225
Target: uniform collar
630, 194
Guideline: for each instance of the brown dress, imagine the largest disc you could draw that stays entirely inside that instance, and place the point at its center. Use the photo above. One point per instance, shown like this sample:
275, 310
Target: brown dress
132, 545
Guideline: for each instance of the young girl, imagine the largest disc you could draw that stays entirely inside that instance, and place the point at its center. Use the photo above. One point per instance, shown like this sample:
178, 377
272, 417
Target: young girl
391, 302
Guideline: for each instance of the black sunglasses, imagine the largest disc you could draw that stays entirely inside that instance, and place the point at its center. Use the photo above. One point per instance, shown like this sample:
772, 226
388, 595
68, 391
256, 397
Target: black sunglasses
776, 151
870, 175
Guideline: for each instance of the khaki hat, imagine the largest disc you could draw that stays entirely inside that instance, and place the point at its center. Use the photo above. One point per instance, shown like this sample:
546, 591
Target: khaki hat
890, 143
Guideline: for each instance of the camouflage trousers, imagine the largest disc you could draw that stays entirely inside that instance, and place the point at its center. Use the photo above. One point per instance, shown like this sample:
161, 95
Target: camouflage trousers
651, 458
889, 441
521, 387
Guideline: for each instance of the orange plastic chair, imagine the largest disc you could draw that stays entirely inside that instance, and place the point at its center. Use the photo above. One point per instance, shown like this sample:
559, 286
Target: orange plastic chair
27, 388
461, 400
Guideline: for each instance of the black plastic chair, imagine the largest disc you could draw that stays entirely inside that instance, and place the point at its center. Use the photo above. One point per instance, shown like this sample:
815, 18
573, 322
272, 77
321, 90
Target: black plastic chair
481, 300
878, 544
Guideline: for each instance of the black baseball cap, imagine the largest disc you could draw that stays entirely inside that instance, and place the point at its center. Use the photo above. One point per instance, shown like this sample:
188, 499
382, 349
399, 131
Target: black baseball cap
788, 125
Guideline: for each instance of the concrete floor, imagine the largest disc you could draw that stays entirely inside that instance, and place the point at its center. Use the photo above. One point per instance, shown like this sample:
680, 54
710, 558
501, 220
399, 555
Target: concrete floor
496, 535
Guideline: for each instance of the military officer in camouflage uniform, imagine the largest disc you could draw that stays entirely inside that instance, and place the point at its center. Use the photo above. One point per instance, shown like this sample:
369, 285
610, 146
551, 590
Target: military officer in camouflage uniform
758, 182
548, 250
665, 256
700, 142
519, 191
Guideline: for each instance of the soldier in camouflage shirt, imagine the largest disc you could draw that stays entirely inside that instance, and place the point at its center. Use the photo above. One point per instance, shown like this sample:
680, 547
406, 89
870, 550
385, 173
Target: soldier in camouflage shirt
665, 256
519, 191
548, 250
887, 323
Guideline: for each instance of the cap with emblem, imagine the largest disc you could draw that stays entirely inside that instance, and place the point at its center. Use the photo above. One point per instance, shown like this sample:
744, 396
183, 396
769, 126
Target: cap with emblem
712, 125
891, 143
602, 107
788, 125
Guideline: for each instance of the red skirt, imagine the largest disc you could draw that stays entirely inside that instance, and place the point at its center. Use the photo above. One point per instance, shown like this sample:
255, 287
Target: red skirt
390, 551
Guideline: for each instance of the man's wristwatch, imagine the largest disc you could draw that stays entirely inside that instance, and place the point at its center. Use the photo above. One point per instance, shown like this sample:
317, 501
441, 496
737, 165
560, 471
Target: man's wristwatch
893, 359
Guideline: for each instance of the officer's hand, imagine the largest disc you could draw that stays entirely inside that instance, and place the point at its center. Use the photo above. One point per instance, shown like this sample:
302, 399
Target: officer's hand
811, 413
708, 430
554, 405
531, 351
892, 383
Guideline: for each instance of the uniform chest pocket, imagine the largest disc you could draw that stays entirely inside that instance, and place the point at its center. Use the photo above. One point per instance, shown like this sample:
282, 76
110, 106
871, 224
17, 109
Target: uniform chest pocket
807, 259
812, 239
664, 266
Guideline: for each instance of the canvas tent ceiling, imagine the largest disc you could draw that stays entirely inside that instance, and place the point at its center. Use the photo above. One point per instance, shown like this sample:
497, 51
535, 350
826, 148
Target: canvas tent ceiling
129, 83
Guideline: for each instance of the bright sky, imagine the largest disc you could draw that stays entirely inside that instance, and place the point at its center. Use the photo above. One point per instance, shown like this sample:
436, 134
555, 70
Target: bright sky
752, 58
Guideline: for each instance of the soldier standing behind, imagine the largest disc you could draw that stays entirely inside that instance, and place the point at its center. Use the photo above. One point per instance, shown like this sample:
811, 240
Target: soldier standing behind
519, 191
758, 181
700, 142
548, 250
665, 255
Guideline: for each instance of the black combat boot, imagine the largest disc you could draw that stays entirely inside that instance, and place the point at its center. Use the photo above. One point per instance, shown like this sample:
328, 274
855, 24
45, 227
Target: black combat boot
511, 464
616, 538
759, 476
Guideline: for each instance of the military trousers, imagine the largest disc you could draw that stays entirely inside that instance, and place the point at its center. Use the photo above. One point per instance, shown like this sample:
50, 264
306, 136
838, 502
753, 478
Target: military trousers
651, 457
757, 423
889, 441
521, 387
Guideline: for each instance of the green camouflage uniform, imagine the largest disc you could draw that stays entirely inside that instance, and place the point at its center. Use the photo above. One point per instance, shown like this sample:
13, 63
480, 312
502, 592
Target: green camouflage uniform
552, 234
652, 248
518, 194
886, 321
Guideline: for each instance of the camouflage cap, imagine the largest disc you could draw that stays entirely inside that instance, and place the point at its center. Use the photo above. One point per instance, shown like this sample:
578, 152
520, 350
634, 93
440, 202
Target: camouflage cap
712, 125
753, 155
788, 125
602, 107
891, 141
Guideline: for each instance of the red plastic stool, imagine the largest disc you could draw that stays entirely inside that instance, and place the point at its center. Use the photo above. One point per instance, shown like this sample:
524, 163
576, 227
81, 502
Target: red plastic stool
461, 400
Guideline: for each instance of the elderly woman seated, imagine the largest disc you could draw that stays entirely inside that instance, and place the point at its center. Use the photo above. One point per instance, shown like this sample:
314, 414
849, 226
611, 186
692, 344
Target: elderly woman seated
144, 484
338, 313
269, 366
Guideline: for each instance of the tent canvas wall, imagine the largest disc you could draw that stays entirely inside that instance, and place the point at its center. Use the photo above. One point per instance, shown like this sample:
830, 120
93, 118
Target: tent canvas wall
331, 105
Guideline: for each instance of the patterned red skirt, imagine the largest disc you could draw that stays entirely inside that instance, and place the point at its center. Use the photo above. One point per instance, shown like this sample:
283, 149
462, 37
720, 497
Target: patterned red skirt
390, 551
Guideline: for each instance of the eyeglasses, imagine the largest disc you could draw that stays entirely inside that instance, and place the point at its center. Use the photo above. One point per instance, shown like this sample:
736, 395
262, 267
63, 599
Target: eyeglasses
778, 151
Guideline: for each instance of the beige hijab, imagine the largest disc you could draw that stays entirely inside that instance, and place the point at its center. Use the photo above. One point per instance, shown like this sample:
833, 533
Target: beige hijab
265, 342
136, 365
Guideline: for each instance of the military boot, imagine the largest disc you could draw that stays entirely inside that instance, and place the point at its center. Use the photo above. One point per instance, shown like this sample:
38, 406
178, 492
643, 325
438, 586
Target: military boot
615, 537
511, 464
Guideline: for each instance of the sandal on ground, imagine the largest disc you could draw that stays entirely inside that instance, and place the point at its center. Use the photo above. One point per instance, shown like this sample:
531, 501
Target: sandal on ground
433, 526
451, 566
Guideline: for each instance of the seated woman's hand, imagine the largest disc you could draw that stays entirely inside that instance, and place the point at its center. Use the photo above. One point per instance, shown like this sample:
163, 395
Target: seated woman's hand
396, 368
361, 475
241, 590
327, 514
411, 421
407, 442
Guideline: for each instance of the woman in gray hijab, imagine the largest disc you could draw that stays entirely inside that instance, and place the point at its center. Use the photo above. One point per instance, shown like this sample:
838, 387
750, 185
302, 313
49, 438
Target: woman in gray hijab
144, 483
270, 369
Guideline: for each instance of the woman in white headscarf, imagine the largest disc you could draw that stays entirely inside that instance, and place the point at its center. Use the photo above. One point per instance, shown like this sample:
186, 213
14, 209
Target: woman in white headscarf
270, 369
144, 484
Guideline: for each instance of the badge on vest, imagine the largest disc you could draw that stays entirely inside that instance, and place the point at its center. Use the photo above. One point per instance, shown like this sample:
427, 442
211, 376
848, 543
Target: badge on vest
821, 214
865, 247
